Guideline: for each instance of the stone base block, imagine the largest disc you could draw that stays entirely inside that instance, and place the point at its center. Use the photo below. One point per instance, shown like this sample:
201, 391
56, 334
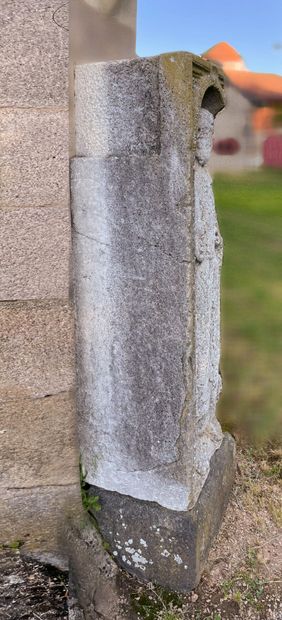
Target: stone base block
168, 547
94, 590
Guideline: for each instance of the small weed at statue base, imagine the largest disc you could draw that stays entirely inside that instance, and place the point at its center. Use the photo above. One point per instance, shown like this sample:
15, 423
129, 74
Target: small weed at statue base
89, 502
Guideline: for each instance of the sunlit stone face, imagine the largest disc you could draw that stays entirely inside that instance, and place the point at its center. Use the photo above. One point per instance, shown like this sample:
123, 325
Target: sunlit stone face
102, 30
205, 136
103, 6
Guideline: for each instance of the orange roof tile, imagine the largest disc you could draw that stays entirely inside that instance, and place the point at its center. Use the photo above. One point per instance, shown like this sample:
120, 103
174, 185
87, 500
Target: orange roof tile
260, 86
222, 53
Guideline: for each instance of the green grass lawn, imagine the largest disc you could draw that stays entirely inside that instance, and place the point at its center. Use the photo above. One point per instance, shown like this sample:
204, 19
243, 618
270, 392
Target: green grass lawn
249, 210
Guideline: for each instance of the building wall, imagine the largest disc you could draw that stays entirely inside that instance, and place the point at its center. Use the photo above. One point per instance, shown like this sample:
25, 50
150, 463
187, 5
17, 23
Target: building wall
235, 121
39, 480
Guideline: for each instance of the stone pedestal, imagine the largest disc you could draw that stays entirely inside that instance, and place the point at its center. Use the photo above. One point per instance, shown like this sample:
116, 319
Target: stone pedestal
147, 256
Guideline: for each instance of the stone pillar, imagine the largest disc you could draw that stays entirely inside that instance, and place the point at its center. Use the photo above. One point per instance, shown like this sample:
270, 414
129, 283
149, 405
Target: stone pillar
147, 256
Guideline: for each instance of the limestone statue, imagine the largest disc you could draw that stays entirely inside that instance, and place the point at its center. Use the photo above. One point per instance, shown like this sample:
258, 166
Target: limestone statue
147, 254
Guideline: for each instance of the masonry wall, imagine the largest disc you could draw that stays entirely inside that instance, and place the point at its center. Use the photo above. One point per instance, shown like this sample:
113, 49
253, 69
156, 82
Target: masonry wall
38, 454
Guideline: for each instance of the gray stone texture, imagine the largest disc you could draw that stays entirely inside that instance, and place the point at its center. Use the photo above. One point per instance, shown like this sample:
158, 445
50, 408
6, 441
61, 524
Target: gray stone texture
36, 356
34, 53
124, 96
145, 431
94, 576
38, 442
34, 161
34, 253
163, 546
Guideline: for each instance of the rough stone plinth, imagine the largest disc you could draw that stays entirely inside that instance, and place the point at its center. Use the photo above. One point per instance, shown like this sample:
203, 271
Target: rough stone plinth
94, 577
147, 256
165, 546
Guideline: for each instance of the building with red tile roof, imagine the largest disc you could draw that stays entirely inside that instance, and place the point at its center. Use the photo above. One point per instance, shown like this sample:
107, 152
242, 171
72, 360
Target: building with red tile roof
259, 87
253, 100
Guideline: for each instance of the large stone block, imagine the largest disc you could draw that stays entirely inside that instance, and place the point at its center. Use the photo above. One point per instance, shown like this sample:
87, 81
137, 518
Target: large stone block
135, 323
34, 253
38, 442
35, 159
36, 349
106, 88
36, 517
34, 53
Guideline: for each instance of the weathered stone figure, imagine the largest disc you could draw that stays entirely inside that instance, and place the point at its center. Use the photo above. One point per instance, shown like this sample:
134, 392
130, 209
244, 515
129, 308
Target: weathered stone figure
147, 256
208, 255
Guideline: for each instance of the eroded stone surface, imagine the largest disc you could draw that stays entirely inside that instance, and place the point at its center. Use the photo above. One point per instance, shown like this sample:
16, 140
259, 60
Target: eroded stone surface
208, 254
124, 96
133, 298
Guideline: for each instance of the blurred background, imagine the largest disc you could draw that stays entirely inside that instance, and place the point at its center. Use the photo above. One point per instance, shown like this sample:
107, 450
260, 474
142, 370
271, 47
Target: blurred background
245, 40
